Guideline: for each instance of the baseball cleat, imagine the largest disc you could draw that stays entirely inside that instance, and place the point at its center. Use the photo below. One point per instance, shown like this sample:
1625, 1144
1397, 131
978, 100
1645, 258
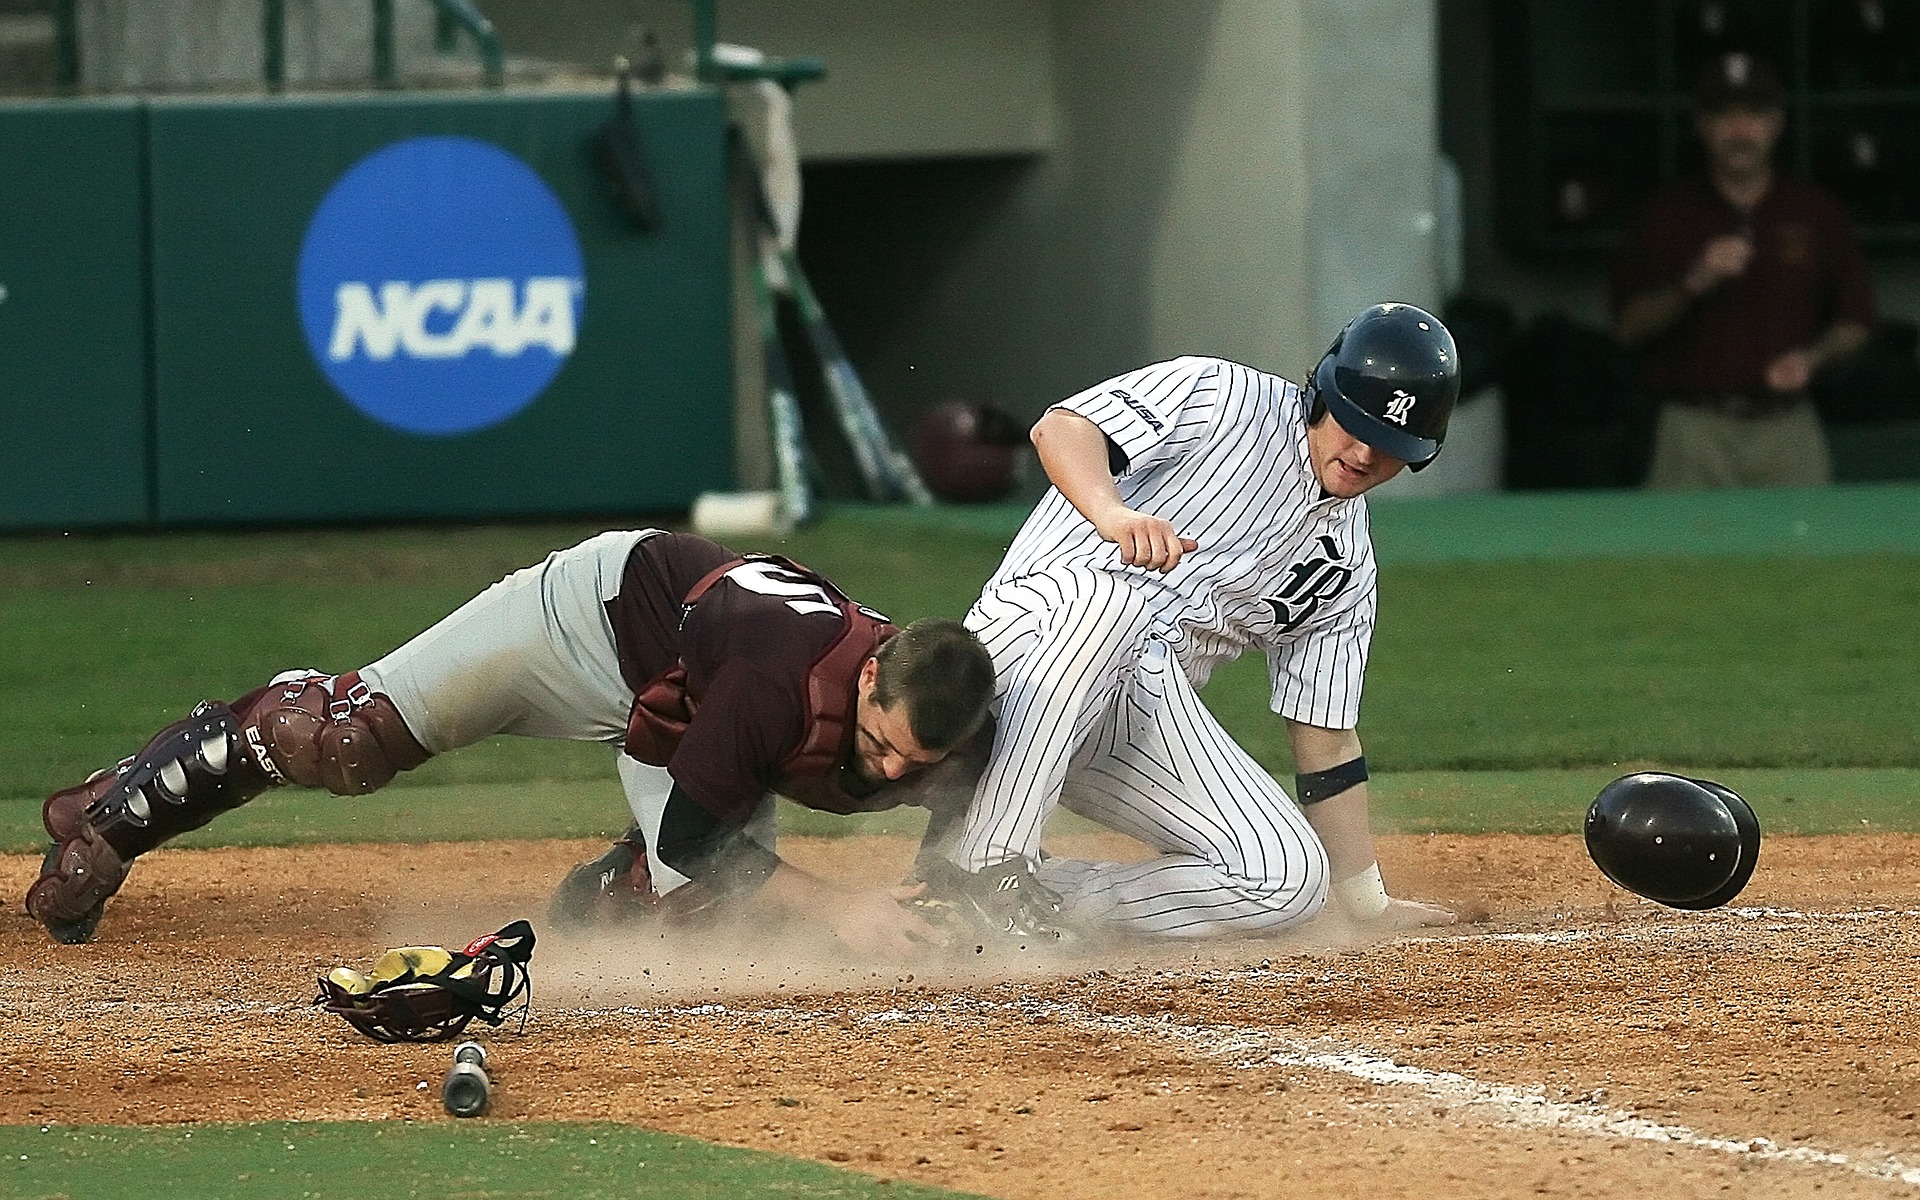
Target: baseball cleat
611, 890
1002, 905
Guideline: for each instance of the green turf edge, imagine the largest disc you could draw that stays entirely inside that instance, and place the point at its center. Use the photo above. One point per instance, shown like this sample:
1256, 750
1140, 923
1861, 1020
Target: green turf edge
1787, 800
395, 1159
1856, 518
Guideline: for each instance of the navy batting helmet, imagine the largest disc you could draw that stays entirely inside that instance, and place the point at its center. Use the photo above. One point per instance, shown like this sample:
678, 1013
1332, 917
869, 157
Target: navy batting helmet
1391, 379
1687, 843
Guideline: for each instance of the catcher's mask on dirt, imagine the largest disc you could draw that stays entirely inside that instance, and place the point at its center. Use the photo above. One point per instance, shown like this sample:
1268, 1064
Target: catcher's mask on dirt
1391, 380
1687, 843
429, 993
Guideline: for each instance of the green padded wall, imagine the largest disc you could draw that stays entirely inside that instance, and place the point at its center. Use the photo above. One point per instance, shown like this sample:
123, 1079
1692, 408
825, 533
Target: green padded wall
248, 427
73, 337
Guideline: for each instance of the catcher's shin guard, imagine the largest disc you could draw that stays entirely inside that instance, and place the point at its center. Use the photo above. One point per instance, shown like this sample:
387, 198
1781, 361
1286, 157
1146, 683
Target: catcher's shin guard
316, 730
191, 772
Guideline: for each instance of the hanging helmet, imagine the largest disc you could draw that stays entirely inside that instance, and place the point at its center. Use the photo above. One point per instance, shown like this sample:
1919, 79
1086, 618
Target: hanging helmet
1687, 843
1391, 379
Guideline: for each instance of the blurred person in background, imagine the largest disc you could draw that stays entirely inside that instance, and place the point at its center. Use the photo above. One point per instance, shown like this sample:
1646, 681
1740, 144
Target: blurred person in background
1734, 287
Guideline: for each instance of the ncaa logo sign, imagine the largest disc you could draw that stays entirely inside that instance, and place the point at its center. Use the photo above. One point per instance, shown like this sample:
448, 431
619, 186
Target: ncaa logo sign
440, 285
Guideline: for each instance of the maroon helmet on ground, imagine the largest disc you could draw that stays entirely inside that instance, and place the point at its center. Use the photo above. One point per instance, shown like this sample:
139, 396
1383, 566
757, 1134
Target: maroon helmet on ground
968, 453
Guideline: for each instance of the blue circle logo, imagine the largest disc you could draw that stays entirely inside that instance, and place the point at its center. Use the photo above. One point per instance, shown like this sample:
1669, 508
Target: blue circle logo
440, 285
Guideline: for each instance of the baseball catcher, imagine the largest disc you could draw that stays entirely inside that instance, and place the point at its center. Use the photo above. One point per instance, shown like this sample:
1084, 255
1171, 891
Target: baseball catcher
722, 678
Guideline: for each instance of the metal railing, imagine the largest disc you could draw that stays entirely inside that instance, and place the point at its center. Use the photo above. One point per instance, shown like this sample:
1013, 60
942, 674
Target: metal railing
66, 45
451, 16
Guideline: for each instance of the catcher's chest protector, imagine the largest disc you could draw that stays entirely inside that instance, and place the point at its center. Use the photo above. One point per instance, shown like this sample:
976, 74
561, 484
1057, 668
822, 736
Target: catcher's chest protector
662, 709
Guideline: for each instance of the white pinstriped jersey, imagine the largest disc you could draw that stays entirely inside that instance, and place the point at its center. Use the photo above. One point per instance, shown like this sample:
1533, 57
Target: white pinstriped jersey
1220, 450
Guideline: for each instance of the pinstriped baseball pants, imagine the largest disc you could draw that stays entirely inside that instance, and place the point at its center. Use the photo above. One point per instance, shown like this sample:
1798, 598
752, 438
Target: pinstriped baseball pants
1096, 715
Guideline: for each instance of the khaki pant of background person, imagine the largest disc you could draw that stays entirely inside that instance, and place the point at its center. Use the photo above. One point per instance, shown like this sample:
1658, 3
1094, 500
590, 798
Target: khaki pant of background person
1696, 448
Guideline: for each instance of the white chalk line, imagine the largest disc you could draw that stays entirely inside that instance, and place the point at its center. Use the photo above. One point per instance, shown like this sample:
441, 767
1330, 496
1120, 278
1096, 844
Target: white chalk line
1528, 1107
1692, 927
1252, 1048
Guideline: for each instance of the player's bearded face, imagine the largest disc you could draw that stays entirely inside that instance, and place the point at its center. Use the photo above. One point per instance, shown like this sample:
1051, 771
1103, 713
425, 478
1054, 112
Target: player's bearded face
884, 748
1345, 465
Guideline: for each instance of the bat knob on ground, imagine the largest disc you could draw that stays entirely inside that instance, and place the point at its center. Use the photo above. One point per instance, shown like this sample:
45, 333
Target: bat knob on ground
471, 1052
466, 1091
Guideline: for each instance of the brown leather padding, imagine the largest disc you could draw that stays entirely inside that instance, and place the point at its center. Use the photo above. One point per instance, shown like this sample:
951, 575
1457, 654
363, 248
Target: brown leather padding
78, 874
329, 731
832, 691
65, 812
661, 712
808, 774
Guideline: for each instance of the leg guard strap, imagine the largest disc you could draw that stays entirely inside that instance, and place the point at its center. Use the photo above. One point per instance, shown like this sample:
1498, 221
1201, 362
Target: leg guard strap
329, 731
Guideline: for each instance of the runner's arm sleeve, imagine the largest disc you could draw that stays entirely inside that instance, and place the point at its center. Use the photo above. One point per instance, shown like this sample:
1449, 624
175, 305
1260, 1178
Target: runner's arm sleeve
1317, 675
709, 851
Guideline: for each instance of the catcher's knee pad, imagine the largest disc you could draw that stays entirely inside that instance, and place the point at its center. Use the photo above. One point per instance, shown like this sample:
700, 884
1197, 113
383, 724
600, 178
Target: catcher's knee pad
329, 731
189, 773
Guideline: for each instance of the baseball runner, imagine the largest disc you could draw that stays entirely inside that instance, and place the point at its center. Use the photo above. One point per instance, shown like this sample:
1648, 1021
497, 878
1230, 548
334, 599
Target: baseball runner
1199, 508
723, 678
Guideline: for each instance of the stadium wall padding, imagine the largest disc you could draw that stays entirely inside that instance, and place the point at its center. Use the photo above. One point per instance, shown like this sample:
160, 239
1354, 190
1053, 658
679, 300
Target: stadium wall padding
152, 353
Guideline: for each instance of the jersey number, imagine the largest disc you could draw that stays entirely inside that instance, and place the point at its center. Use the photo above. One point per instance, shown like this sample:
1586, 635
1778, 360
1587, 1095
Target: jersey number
772, 579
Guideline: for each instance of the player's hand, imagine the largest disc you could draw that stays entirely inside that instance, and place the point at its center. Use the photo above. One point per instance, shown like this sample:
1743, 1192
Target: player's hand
1720, 259
1145, 541
875, 923
1414, 914
1790, 372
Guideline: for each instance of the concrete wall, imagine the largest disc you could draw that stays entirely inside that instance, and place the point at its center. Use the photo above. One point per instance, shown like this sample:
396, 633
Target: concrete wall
1207, 191
906, 78
136, 45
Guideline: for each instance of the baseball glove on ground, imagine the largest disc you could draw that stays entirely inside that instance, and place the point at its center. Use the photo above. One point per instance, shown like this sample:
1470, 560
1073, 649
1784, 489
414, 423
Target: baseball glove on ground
429, 993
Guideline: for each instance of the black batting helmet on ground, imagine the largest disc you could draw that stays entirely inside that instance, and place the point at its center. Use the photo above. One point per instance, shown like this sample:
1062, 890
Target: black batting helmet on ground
1687, 843
1391, 380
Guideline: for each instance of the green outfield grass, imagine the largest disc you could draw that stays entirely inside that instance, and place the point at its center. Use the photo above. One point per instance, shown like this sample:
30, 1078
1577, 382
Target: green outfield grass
358, 1161
1737, 662
1546, 800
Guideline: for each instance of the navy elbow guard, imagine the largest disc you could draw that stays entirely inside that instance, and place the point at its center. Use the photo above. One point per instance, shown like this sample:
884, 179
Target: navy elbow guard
1315, 786
720, 857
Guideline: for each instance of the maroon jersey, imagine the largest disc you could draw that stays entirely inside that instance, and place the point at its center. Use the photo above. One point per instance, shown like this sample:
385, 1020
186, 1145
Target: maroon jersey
748, 648
1807, 271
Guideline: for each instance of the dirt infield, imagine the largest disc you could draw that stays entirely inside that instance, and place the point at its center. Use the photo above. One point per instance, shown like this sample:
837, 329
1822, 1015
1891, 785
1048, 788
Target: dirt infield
1573, 1044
